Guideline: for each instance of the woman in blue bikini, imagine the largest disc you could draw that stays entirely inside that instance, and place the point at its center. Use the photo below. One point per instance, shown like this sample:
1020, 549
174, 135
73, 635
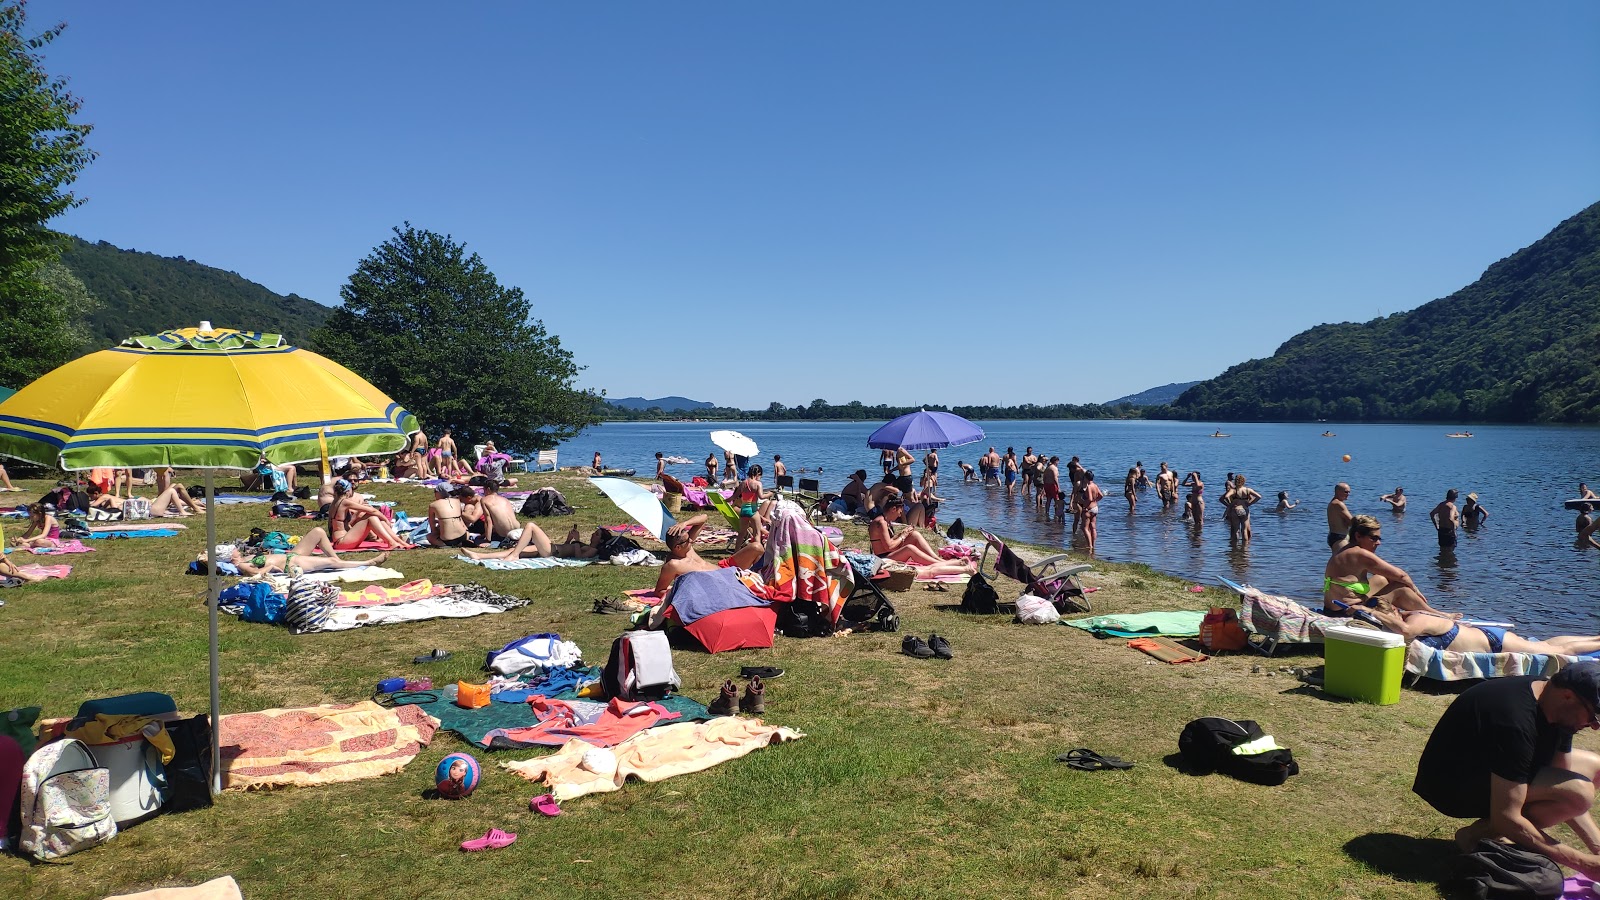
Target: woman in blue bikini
1357, 576
1443, 633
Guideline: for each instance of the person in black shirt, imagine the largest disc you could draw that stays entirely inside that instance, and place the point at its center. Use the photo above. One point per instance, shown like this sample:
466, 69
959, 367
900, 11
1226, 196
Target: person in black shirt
1502, 754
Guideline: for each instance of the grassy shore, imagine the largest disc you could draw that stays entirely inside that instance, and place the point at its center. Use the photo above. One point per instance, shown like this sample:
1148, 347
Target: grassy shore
917, 778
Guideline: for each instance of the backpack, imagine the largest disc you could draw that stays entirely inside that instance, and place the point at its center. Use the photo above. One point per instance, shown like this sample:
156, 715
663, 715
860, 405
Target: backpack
66, 801
1210, 744
546, 502
802, 619
957, 530
1493, 869
189, 772
1220, 630
288, 510
617, 544
980, 597
639, 667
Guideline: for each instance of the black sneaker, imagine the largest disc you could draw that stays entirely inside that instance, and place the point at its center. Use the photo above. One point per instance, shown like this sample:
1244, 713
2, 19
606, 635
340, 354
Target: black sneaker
765, 673
915, 646
939, 647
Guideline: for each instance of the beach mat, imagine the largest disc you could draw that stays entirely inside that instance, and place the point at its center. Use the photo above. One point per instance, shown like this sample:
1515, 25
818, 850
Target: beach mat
1167, 650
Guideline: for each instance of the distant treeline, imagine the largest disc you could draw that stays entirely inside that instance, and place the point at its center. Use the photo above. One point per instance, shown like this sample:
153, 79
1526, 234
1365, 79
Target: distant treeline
856, 411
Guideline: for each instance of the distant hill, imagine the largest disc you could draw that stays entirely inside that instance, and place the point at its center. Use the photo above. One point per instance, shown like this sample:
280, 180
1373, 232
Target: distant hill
142, 293
1520, 344
667, 404
1156, 396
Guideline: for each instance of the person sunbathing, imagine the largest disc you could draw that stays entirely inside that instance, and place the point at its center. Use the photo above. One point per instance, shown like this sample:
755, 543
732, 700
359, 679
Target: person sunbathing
1446, 633
1356, 575
168, 500
172, 498
909, 546
353, 521
447, 519
8, 569
680, 544
5, 482
304, 557
533, 543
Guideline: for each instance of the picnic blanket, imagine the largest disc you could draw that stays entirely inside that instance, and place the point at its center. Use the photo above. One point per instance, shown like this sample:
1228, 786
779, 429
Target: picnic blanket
489, 726
654, 755
320, 744
532, 562
1167, 650
1176, 623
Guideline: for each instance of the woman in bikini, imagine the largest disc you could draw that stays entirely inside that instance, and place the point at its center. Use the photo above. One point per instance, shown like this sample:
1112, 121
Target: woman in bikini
353, 521
1445, 633
447, 525
747, 499
1130, 488
1089, 496
1356, 576
909, 546
1236, 505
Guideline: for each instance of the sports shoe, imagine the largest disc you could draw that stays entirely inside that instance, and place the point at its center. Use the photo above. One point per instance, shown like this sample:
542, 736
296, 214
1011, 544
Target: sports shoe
764, 672
615, 605
754, 701
727, 701
915, 646
939, 646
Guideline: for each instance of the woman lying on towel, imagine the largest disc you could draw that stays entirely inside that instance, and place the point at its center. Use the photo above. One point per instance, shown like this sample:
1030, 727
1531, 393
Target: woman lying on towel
1444, 633
533, 543
315, 540
1357, 576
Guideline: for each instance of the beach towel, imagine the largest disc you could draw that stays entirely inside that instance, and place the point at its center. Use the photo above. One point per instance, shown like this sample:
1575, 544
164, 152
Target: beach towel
1167, 650
36, 569
356, 575
600, 724
1177, 623
695, 595
1449, 665
320, 744
378, 595
654, 755
487, 726
1288, 620
244, 498
532, 562
96, 535
224, 888
449, 606
798, 561
60, 548
139, 526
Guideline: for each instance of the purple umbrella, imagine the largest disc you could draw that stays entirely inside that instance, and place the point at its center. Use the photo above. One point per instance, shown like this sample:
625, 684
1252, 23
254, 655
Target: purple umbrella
923, 430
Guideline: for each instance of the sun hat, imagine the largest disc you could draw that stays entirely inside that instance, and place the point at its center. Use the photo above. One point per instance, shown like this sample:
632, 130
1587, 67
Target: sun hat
1473, 497
1582, 679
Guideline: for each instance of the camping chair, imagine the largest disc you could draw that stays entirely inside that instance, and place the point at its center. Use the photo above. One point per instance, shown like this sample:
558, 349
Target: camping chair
783, 481
1049, 578
810, 491
1279, 620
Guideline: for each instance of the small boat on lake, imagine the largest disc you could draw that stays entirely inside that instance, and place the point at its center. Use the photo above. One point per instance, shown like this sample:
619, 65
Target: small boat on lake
1459, 434
1218, 434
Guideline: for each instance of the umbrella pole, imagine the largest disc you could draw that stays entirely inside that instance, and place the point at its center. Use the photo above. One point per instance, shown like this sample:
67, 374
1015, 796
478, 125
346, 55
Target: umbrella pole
213, 586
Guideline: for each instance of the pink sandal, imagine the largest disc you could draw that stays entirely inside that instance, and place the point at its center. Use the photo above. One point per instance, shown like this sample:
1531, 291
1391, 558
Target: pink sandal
545, 803
494, 840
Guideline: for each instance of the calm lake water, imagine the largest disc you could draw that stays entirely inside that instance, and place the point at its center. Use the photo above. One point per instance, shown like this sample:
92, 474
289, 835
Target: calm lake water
1520, 565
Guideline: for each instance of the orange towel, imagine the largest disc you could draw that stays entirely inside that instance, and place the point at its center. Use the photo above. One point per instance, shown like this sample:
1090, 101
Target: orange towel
1167, 650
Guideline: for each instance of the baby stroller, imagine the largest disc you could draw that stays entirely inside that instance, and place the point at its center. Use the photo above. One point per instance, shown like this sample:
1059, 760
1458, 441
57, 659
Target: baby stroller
1049, 578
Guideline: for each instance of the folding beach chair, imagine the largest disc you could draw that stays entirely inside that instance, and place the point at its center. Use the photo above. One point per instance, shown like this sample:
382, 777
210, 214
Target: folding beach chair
783, 481
1051, 578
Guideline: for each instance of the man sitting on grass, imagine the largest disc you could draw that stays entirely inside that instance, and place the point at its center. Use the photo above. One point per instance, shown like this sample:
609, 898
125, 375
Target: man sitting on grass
680, 543
1502, 755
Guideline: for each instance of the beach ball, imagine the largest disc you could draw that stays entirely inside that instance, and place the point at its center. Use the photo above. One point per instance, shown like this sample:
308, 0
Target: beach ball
1347, 457
457, 776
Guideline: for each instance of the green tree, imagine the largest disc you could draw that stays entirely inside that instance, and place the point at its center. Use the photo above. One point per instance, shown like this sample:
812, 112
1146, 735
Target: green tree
428, 324
41, 152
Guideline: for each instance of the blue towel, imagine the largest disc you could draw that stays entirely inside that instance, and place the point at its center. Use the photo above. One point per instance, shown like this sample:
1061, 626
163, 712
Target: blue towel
696, 595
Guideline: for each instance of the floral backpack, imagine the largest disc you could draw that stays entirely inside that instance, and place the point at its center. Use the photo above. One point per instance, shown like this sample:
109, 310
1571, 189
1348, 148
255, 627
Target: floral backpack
66, 801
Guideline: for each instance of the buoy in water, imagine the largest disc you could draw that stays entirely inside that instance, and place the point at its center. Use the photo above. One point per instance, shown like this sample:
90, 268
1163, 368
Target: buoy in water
1347, 457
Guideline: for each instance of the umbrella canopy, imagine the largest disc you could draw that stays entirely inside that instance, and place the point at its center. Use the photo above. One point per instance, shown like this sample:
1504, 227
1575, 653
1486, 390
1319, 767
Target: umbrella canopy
213, 398
923, 430
209, 398
748, 627
638, 502
735, 443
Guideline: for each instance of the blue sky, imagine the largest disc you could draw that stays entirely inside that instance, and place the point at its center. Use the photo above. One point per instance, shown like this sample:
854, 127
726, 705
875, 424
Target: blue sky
891, 202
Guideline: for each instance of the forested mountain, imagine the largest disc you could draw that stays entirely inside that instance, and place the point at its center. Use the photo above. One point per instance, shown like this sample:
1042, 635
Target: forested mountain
1520, 344
1156, 396
142, 293
665, 404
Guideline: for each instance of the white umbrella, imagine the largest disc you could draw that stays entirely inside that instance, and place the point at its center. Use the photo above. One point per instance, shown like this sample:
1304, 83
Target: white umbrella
639, 503
735, 443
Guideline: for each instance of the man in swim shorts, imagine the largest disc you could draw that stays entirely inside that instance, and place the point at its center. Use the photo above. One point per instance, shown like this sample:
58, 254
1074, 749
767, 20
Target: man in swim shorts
1339, 516
680, 543
1446, 518
1502, 756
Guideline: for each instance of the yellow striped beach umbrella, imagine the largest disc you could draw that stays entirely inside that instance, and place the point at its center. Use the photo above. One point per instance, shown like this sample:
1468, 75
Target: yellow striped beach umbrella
207, 398
199, 398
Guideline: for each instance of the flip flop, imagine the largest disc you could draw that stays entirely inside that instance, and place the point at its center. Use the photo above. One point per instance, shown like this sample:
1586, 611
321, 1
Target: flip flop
1087, 760
494, 840
545, 803
431, 657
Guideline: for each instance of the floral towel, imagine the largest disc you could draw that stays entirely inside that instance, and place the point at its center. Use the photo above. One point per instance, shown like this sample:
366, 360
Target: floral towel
320, 744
